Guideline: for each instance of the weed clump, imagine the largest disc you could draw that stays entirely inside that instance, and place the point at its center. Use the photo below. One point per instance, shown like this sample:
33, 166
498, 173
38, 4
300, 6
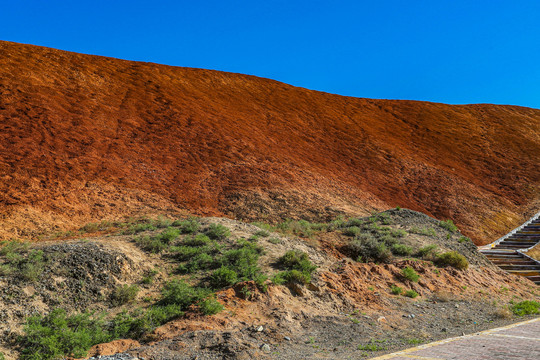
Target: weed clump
223, 277
189, 226
299, 268
210, 306
453, 259
396, 290
411, 293
218, 232
448, 225
527, 307
124, 294
410, 274
367, 248
401, 250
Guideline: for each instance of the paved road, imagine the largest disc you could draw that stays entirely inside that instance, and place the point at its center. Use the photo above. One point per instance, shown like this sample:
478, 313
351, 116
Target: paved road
515, 342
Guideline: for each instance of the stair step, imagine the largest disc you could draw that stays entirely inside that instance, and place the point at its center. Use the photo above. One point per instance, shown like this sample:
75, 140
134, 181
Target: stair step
517, 242
512, 262
512, 246
520, 267
526, 273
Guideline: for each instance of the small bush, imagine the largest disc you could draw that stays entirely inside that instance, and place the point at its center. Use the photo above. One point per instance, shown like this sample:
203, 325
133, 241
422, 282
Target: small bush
262, 233
124, 294
427, 251
168, 235
217, 232
410, 274
526, 308
448, 225
352, 231
177, 292
291, 276
197, 240
223, 277
210, 306
423, 231
367, 248
411, 293
297, 260
396, 290
151, 244
401, 250
32, 267
56, 335
138, 228
202, 261
454, 259
148, 278
464, 239
189, 226
10, 247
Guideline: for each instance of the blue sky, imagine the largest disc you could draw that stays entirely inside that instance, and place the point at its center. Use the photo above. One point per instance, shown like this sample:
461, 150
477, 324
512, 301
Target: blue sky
449, 51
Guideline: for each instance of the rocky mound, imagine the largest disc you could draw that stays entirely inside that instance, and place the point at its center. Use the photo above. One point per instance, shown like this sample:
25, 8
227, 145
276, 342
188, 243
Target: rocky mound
85, 137
219, 288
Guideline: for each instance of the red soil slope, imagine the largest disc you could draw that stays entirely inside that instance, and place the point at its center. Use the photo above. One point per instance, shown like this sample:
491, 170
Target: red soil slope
85, 137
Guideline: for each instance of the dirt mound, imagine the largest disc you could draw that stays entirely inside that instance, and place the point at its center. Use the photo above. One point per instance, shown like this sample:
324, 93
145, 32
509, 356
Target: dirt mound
345, 309
85, 137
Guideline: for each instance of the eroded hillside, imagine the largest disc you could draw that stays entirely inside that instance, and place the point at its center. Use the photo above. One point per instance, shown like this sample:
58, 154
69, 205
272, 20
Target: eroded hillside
85, 137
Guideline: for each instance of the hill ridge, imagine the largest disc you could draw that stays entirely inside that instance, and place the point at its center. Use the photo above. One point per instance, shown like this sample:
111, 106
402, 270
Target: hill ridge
85, 137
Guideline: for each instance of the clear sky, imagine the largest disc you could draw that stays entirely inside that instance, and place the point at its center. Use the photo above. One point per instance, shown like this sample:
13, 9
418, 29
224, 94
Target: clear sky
451, 51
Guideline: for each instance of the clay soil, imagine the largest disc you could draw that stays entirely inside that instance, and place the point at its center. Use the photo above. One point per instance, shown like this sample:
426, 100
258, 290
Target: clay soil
85, 138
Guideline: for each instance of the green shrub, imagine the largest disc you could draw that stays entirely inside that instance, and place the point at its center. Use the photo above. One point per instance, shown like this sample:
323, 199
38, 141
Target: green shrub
423, 231
184, 253
168, 235
56, 335
401, 250
526, 308
454, 259
6, 270
12, 247
151, 244
463, 239
367, 248
356, 222
197, 240
149, 276
302, 228
189, 226
217, 232
202, 261
223, 277
138, 228
427, 251
262, 233
352, 231
410, 274
396, 290
124, 294
291, 276
32, 267
297, 260
448, 225
210, 306
177, 292
139, 322
411, 293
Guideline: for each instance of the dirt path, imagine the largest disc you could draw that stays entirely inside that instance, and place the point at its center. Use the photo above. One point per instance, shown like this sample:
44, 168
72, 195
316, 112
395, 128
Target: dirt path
519, 341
